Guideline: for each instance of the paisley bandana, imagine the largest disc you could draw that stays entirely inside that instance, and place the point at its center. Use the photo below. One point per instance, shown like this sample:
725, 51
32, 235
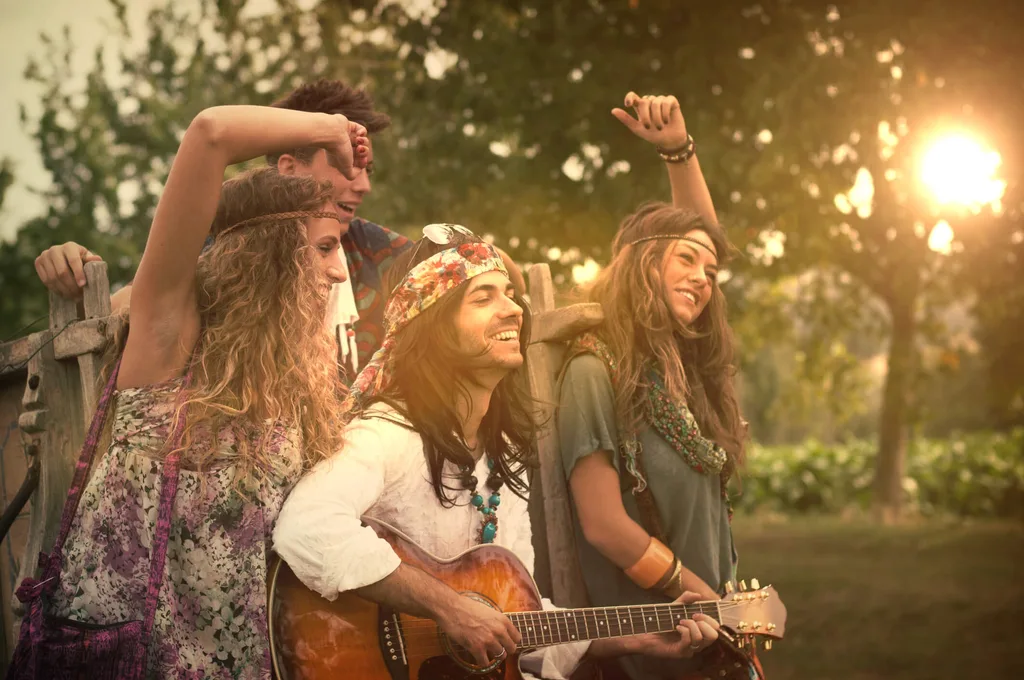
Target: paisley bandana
424, 285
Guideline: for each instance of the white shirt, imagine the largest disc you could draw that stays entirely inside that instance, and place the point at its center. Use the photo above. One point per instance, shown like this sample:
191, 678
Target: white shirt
342, 313
381, 473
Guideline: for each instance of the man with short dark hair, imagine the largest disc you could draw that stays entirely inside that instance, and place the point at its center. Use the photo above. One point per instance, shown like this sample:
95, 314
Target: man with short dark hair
369, 247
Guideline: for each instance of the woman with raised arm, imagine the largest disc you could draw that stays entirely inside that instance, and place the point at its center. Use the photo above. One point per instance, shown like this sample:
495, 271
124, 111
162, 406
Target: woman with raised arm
649, 425
225, 390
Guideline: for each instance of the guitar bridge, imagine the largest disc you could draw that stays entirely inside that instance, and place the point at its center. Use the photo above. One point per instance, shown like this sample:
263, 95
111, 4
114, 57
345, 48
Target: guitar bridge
392, 645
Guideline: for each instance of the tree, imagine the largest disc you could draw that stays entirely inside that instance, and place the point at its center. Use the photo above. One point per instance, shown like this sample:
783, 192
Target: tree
108, 146
892, 84
503, 109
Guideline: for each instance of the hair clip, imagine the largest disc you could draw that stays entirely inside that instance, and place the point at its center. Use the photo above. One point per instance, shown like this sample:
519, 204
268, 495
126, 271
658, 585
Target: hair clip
442, 234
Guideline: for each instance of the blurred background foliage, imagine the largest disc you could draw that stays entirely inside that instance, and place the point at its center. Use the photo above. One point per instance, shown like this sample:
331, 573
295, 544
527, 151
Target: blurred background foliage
867, 306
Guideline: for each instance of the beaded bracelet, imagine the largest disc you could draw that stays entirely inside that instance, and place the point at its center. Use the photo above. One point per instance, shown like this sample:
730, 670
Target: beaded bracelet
681, 154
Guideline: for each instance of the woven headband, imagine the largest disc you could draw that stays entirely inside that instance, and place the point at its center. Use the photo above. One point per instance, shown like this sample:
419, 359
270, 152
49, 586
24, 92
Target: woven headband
674, 237
280, 217
424, 285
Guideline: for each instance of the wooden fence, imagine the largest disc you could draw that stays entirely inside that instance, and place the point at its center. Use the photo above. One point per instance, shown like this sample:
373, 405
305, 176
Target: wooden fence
48, 391
49, 382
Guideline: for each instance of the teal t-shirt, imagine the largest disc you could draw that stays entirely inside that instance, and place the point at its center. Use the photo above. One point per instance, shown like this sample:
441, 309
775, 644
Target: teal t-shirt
693, 514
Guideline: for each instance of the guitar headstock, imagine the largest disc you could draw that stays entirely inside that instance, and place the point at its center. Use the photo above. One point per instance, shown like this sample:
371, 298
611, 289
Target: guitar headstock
758, 611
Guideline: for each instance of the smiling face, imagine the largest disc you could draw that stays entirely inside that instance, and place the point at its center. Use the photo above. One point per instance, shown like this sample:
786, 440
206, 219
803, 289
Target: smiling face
690, 271
488, 321
348, 194
324, 234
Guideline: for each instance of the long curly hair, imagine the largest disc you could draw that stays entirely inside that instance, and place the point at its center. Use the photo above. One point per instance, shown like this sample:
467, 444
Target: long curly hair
265, 360
426, 384
697, 361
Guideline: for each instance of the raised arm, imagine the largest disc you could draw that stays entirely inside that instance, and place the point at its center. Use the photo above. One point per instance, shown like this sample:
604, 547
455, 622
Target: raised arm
163, 314
659, 121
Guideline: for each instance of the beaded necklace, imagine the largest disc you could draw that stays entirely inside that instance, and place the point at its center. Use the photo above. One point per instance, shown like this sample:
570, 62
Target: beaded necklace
671, 420
489, 525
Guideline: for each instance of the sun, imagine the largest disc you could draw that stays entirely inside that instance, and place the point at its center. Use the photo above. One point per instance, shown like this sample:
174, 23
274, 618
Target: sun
957, 169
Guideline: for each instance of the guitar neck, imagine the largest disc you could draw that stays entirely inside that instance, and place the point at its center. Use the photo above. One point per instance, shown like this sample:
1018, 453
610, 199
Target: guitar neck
543, 628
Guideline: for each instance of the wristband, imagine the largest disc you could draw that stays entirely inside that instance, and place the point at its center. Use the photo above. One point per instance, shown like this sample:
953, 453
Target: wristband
652, 566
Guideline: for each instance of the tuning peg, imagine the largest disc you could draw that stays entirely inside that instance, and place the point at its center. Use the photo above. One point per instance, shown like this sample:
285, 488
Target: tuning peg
754, 584
771, 627
767, 645
729, 588
756, 624
743, 586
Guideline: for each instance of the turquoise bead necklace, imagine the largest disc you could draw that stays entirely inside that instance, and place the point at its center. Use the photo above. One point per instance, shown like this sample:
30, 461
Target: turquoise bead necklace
489, 525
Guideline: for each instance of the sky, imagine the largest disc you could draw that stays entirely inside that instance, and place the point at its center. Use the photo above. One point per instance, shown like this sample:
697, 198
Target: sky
21, 24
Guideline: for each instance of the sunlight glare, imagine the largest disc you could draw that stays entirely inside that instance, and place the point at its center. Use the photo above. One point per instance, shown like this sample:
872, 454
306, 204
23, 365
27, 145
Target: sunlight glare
957, 169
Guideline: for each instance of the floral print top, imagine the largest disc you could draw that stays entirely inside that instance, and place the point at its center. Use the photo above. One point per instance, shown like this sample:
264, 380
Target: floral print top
211, 621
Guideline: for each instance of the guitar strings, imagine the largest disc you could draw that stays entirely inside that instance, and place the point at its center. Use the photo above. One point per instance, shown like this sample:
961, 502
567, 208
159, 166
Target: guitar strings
551, 627
596, 614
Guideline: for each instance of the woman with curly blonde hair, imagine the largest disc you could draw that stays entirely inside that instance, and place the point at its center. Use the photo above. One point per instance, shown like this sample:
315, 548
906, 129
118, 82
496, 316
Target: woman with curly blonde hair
226, 389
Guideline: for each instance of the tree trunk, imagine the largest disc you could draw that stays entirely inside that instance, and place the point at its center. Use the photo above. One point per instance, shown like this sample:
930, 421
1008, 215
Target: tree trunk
889, 465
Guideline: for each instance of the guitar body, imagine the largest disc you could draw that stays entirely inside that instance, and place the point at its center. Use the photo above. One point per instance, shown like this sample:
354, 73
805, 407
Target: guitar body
313, 638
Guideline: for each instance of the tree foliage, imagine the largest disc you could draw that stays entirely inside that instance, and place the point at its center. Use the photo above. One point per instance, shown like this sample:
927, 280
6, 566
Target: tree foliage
502, 122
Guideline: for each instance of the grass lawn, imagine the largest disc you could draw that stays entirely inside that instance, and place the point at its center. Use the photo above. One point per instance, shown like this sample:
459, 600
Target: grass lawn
923, 601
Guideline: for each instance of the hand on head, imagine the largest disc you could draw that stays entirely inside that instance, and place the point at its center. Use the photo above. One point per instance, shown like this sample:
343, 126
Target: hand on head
350, 150
658, 120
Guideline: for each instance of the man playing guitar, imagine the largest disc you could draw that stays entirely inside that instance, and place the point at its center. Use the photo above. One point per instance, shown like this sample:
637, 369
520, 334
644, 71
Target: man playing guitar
438, 448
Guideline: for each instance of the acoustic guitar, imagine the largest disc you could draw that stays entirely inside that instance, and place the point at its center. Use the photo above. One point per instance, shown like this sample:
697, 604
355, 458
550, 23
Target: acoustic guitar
313, 638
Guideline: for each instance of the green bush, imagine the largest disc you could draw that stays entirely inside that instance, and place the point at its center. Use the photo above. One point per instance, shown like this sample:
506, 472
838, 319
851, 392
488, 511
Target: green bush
975, 475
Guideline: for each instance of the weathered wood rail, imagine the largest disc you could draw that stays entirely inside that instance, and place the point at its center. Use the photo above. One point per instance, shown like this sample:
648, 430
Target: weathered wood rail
557, 566
49, 382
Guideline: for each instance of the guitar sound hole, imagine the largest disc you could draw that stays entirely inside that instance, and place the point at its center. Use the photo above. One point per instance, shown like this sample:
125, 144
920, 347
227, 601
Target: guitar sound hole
445, 668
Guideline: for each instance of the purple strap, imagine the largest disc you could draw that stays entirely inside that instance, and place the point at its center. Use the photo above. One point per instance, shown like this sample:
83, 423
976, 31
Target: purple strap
168, 491
158, 554
52, 568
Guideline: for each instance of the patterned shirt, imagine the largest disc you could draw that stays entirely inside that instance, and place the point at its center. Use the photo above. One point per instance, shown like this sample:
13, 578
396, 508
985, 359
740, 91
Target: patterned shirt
370, 249
211, 620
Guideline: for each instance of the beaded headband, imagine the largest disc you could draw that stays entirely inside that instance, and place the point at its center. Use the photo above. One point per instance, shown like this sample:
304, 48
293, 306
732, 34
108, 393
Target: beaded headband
424, 285
278, 217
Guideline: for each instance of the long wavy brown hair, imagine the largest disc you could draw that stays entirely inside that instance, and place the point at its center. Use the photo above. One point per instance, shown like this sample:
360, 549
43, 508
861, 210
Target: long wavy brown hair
697, 361
427, 382
264, 358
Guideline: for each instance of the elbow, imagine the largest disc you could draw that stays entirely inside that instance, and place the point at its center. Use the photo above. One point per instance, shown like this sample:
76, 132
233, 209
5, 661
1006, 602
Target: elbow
289, 531
207, 129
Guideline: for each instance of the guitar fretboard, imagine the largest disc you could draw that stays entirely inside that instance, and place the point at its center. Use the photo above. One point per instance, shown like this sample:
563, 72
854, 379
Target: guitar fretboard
543, 628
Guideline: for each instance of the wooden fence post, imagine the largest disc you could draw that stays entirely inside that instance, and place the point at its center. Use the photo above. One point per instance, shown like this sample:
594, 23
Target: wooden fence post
557, 564
52, 426
64, 364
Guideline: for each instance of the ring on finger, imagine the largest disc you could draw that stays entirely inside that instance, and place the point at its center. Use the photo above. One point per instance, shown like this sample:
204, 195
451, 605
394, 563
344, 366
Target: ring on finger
695, 646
